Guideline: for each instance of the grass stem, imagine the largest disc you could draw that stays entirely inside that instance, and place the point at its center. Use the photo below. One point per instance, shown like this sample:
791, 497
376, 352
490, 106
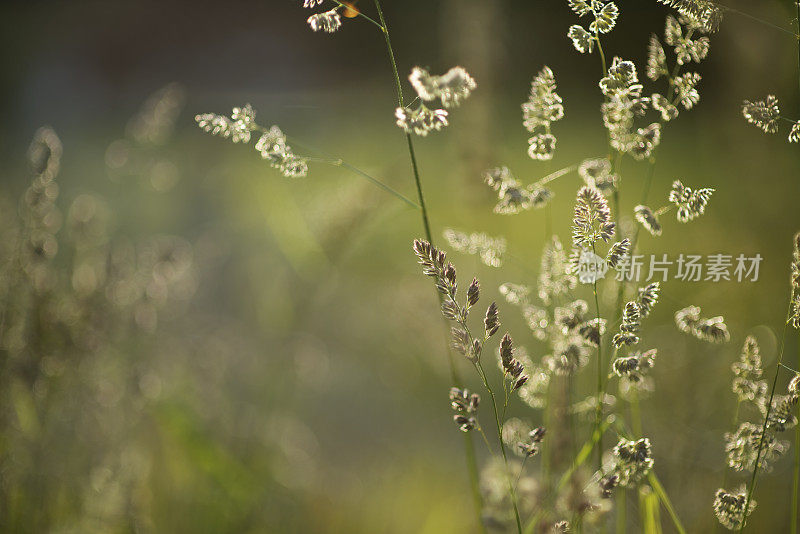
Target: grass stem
579, 460
665, 500
755, 19
752, 485
622, 498
472, 465
795, 477
598, 418
499, 424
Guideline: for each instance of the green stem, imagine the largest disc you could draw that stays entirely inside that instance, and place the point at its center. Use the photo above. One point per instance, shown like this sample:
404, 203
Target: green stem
756, 19
648, 180
579, 460
486, 440
474, 479
400, 102
557, 174
598, 418
385, 30
655, 483
636, 413
621, 510
796, 476
423, 209
665, 500
752, 484
600, 51
499, 423
521, 470
651, 169
339, 162
797, 5
472, 465
356, 170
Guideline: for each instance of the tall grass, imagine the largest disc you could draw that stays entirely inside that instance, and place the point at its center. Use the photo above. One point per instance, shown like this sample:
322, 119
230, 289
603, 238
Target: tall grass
572, 334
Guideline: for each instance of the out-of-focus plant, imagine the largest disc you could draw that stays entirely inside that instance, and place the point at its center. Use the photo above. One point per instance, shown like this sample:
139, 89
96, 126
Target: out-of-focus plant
73, 296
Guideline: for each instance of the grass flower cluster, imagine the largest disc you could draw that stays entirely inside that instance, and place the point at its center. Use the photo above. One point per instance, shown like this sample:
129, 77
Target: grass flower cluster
576, 332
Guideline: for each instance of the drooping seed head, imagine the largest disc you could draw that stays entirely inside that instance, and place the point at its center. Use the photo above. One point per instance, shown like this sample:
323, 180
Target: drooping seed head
648, 298
420, 121
492, 320
618, 252
631, 322
473, 293
465, 423
747, 373
327, 21
730, 507
648, 219
634, 460
764, 114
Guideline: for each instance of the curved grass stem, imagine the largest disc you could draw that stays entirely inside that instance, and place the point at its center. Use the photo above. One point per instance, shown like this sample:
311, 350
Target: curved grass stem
472, 465
579, 460
499, 423
796, 473
665, 500
751, 486
756, 19
360, 14
655, 483
598, 418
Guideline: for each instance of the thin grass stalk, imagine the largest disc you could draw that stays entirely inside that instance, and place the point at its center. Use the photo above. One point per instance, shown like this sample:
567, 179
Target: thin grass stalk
401, 103
547, 449
652, 478
797, 5
580, 459
339, 162
717, 526
796, 474
598, 418
600, 51
755, 19
636, 413
665, 500
752, 484
651, 167
469, 448
499, 424
648, 181
648, 510
553, 393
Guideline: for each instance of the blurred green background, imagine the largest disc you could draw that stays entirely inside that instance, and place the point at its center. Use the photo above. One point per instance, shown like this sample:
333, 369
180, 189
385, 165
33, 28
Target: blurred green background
294, 379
